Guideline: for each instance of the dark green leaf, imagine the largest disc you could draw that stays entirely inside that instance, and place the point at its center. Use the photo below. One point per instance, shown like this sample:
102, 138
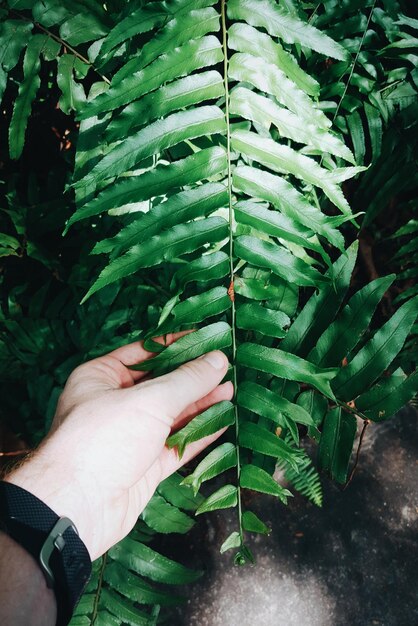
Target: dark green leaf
135, 588
321, 308
265, 442
158, 181
178, 62
181, 207
213, 337
253, 477
285, 365
219, 460
268, 404
253, 316
224, 498
149, 563
277, 259
388, 396
156, 138
166, 518
179, 240
207, 423
253, 524
207, 267
378, 353
338, 433
344, 333
28, 89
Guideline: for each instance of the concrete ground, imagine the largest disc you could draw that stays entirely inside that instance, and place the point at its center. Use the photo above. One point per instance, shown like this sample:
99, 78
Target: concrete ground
352, 563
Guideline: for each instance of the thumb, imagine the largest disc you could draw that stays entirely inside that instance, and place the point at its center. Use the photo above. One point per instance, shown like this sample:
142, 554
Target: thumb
190, 382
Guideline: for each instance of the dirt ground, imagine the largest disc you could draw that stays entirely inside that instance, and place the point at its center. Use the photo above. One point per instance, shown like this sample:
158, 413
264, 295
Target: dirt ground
352, 563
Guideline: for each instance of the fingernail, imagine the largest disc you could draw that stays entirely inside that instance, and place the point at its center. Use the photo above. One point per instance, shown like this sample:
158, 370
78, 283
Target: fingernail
216, 359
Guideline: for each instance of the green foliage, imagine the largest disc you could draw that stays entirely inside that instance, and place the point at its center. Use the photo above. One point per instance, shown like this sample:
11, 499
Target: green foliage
133, 574
217, 145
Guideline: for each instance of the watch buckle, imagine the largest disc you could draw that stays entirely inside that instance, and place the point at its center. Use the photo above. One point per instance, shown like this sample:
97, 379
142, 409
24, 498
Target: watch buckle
54, 541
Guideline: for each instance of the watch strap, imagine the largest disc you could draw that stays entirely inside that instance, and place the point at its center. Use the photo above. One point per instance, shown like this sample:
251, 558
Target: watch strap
52, 541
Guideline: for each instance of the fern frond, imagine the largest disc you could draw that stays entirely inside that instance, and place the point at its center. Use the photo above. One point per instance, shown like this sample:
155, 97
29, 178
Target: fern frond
235, 163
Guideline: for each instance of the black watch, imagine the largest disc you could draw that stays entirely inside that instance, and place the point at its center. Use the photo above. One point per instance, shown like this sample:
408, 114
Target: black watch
53, 541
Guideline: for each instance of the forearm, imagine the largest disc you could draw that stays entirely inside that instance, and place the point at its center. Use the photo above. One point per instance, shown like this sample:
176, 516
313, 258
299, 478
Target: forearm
25, 599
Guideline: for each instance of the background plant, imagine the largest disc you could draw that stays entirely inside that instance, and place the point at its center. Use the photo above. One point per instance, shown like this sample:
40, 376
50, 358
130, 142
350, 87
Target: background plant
234, 128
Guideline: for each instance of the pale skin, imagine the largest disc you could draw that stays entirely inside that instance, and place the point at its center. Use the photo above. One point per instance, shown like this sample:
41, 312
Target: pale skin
104, 457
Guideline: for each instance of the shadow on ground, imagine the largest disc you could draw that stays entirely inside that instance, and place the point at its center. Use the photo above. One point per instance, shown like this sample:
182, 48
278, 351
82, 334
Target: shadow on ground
352, 563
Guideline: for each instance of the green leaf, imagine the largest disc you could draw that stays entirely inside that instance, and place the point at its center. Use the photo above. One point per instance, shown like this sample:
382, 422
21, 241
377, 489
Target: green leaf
198, 308
233, 541
158, 181
179, 94
258, 284
355, 126
265, 112
192, 24
178, 62
135, 588
213, 337
275, 224
260, 184
28, 89
124, 610
253, 316
378, 353
181, 207
253, 524
245, 38
277, 259
257, 479
338, 433
73, 96
181, 239
388, 396
270, 79
166, 518
305, 480
321, 308
261, 440
155, 138
15, 35
316, 406
208, 267
149, 563
267, 14
82, 27
224, 498
178, 494
374, 122
219, 460
285, 365
281, 158
207, 423
268, 404
140, 21
344, 333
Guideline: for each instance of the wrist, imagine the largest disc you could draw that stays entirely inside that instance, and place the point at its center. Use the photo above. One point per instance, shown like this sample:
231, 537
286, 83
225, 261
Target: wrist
57, 487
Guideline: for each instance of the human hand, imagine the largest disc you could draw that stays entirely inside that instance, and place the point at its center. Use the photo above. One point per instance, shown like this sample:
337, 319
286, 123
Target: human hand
105, 454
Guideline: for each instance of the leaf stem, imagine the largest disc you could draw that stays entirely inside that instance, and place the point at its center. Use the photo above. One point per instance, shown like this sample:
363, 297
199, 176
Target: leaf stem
63, 43
360, 443
99, 589
231, 259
